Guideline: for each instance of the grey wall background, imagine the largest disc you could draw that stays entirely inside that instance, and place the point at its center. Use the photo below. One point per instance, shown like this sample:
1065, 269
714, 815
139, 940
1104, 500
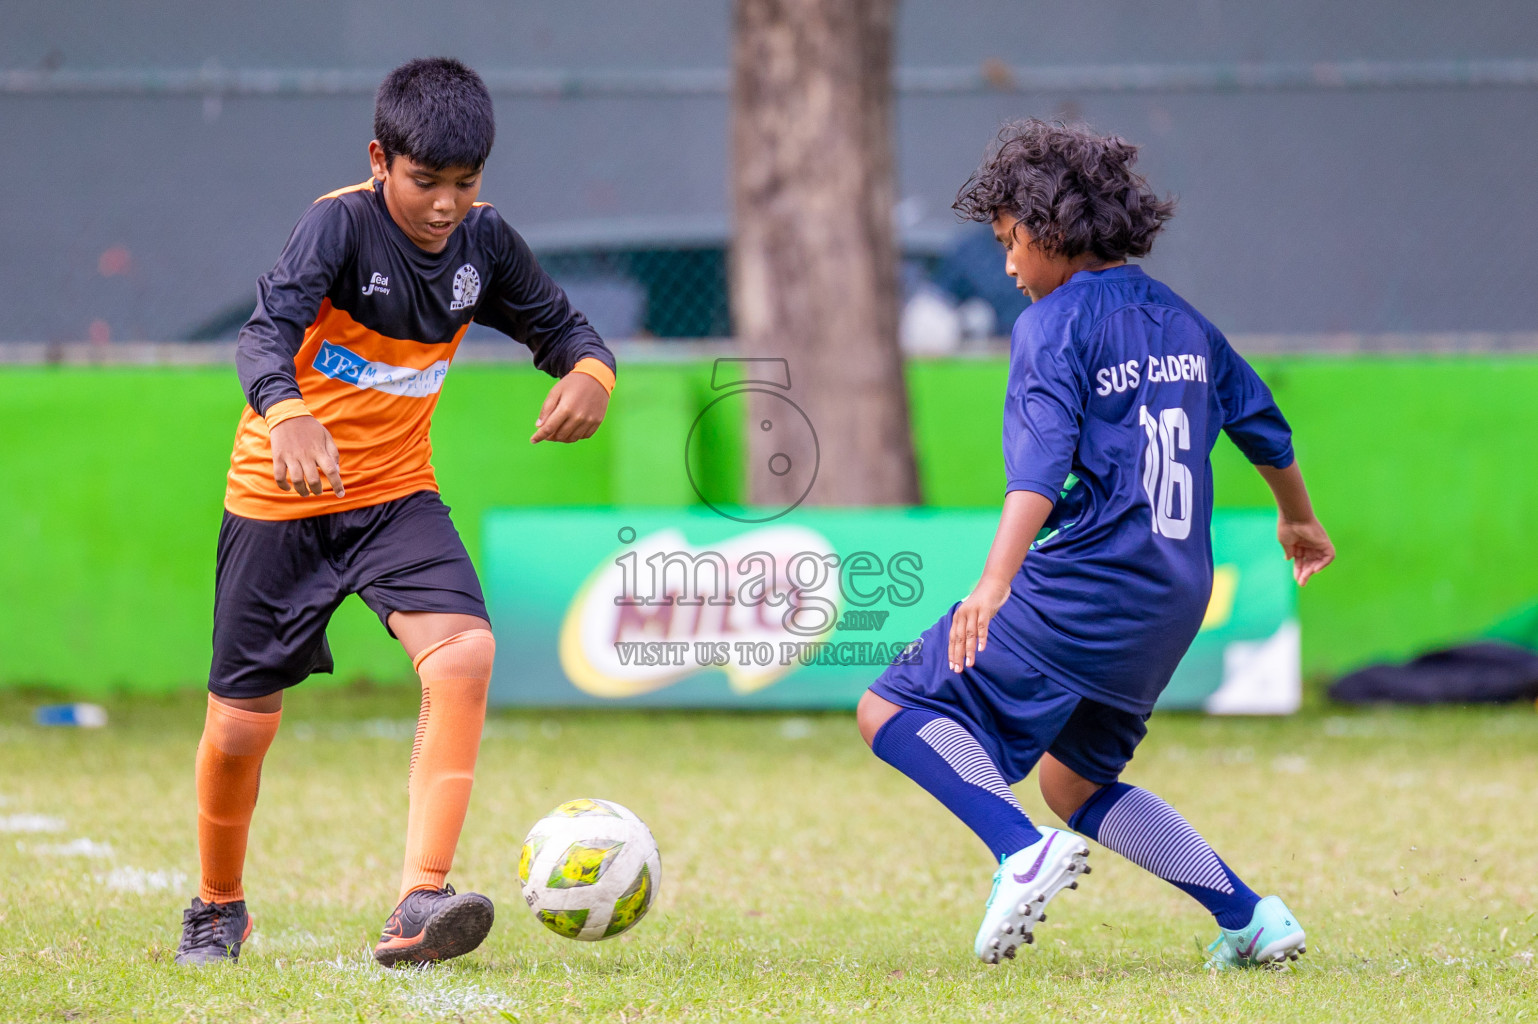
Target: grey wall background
1306, 208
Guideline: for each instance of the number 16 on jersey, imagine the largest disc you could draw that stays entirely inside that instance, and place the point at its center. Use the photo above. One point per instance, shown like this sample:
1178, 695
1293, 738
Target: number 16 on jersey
1166, 480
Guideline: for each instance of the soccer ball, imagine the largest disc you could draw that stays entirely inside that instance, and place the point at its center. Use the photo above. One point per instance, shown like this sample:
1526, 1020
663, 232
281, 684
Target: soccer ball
590, 869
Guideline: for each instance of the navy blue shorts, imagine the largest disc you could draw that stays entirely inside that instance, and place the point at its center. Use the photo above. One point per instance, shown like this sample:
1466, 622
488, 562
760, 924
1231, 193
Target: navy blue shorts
277, 584
1014, 711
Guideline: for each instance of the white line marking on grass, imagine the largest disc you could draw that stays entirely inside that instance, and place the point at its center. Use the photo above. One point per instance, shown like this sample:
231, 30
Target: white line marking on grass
293, 940
30, 823
140, 880
432, 990
434, 993
75, 848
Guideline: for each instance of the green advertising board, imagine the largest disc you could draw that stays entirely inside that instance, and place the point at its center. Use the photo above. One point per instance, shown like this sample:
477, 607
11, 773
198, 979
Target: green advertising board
686, 608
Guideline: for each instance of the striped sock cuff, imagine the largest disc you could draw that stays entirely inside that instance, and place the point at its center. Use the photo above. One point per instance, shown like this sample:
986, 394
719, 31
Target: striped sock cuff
1154, 836
966, 757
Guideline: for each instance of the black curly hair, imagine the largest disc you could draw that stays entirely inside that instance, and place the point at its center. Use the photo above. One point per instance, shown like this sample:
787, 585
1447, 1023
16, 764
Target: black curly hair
1073, 190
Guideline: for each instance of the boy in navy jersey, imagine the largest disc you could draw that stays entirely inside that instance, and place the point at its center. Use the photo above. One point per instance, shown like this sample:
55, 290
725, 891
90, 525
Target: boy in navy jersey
1101, 569
342, 362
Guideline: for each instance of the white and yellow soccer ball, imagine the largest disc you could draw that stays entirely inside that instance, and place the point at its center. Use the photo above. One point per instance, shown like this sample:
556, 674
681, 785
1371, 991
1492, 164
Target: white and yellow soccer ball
590, 869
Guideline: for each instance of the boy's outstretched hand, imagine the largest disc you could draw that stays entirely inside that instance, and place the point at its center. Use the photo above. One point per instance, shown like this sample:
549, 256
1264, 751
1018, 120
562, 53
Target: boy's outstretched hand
572, 411
1307, 546
303, 454
1303, 540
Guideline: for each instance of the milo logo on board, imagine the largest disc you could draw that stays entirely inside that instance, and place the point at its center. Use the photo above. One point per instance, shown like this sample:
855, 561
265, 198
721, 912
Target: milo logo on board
754, 607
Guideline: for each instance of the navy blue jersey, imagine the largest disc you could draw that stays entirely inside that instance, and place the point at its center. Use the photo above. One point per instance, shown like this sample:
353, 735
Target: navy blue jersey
1117, 391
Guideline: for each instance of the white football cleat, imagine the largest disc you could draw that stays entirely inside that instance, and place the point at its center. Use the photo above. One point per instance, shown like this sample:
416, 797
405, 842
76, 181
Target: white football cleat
1023, 886
1272, 936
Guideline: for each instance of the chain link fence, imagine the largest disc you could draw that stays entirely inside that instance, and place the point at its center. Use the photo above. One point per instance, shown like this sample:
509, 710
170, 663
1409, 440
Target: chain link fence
663, 291
668, 291
671, 291
647, 292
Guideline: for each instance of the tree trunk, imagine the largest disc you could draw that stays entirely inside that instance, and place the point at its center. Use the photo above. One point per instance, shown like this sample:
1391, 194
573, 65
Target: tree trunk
814, 257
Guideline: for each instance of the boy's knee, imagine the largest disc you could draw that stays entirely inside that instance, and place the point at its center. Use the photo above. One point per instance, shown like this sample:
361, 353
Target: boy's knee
466, 655
1064, 789
872, 713
460, 666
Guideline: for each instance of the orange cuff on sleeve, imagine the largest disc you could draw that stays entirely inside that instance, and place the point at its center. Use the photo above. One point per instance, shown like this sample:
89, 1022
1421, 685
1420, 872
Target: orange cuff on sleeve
288, 409
594, 368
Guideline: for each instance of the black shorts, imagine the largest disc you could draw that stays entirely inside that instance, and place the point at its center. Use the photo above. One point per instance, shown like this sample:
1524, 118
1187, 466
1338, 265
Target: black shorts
277, 584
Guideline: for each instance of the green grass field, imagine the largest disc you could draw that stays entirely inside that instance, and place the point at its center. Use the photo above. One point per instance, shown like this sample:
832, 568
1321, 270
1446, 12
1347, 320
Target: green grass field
802, 879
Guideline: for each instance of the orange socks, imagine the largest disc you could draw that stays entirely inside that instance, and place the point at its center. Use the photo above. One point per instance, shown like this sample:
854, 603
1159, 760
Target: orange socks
455, 675
229, 772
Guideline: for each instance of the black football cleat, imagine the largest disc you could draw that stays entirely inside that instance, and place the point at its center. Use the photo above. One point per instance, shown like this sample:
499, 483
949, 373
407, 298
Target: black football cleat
434, 924
213, 932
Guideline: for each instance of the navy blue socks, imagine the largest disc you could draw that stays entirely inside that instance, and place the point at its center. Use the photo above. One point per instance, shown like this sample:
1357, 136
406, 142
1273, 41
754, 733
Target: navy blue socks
1152, 834
940, 755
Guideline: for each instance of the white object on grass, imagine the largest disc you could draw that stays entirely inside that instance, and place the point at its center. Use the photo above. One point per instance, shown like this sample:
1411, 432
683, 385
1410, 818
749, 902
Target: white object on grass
75, 848
30, 823
141, 880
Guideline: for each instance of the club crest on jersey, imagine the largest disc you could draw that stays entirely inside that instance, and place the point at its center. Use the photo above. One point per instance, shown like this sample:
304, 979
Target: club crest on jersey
378, 284
467, 288
913, 654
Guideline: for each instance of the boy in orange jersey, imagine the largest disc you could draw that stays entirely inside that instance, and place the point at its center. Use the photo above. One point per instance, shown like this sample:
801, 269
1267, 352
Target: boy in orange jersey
342, 362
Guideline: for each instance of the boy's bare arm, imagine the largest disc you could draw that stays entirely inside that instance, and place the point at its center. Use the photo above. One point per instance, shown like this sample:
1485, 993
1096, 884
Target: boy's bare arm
303, 453
1024, 514
1302, 537
572, 411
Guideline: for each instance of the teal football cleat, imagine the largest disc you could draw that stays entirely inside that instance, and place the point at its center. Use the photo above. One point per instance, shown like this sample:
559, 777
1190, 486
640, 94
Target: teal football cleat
1273, 935
1025, 882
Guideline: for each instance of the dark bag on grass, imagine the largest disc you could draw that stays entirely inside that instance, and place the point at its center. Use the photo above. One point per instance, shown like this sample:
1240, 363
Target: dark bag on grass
1488, 672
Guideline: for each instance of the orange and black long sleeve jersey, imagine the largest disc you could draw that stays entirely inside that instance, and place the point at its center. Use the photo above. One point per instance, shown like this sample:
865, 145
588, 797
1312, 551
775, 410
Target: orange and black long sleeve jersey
357, 326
